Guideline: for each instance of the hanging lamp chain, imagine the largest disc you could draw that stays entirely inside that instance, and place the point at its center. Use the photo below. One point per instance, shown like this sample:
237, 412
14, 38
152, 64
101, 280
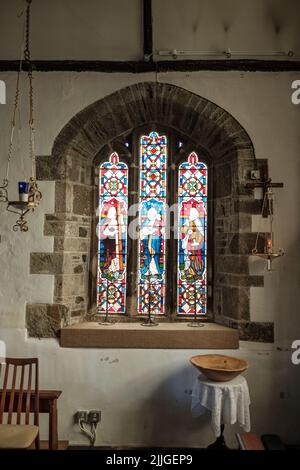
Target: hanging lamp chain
13, 126
267, 204
3, 190
27, 60
269, 254
33, 194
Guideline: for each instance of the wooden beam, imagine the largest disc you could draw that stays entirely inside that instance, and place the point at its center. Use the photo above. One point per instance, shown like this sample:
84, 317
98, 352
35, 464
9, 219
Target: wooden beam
264, 184
148, 30
160, 66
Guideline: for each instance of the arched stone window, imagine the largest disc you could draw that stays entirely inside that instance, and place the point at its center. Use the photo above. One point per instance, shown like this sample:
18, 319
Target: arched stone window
114, 124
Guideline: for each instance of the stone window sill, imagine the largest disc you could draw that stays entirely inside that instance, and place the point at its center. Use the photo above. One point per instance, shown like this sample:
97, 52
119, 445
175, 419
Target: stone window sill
163, 336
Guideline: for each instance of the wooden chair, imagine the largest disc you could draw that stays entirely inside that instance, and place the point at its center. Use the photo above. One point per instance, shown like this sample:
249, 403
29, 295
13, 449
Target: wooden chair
249, 441
17, 396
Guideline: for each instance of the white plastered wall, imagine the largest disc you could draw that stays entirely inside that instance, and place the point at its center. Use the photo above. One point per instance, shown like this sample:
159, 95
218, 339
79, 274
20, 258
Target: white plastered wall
146, 392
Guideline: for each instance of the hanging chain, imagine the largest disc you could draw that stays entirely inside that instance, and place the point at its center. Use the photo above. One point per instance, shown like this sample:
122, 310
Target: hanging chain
15, 109
267, 204
271, 213
34, 195
27, 60
26, 52
13, 125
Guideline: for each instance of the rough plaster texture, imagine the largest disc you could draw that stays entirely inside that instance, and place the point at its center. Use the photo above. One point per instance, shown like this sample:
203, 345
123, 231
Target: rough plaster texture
148, 392
132, 393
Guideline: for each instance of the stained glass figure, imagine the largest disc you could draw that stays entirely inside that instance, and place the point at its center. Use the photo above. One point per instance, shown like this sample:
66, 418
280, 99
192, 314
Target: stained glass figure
112, 234
192, 237
151, 266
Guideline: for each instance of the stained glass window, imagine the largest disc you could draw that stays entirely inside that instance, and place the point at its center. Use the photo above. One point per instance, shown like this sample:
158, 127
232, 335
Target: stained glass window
112, 234
151, 253
152, 200
192, 237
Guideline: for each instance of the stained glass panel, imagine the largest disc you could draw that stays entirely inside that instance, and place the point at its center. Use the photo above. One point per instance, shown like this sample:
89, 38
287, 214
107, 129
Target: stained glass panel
112, 234
192, 237
151, 265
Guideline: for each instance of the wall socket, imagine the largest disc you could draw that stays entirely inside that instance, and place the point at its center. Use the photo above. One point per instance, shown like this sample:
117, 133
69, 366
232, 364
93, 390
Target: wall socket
81, 415
94, 416
88, 416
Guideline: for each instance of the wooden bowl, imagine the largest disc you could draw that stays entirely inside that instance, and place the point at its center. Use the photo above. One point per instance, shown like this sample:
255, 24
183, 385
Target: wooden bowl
219, 368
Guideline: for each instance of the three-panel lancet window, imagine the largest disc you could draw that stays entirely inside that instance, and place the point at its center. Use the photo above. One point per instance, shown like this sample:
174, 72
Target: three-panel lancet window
156, 242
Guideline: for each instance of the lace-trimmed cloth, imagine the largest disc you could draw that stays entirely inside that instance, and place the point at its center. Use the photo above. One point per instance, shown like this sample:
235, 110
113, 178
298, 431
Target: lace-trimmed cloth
228, 402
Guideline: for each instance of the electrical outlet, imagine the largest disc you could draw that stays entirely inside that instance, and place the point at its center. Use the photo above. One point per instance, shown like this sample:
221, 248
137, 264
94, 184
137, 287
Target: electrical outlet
94, 416
81, 415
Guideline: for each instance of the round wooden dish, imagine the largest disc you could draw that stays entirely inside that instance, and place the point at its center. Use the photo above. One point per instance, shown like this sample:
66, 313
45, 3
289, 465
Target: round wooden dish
219, 368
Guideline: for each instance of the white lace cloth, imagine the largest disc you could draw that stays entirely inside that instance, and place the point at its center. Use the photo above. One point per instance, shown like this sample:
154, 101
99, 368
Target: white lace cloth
228, 402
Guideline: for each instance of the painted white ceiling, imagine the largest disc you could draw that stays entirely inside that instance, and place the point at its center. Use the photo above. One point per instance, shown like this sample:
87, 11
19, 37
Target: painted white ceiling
74, 29
112, 29
215, 25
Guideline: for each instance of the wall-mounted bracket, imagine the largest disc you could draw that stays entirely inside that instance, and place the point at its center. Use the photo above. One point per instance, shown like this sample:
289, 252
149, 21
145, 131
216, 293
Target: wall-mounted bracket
266, 186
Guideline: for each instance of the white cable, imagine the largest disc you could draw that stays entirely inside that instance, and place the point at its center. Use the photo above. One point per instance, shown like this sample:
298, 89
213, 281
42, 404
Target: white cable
94, 431
85, 430
91, 434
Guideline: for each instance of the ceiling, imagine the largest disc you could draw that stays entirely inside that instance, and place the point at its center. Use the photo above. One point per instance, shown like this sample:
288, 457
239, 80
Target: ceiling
113, 29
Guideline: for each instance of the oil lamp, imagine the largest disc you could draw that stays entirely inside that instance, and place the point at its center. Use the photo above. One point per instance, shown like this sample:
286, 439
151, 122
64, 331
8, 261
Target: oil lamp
29, 193
269, 252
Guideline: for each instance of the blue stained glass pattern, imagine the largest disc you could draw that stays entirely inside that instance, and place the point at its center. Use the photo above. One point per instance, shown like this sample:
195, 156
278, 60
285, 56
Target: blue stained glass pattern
151, 269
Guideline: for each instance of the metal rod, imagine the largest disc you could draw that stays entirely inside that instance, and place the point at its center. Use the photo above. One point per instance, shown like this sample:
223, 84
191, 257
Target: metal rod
107, 320
195, 322
149, 321
227, 53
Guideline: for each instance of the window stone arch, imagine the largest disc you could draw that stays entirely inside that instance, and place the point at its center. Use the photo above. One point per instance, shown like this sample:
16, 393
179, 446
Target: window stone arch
71, 165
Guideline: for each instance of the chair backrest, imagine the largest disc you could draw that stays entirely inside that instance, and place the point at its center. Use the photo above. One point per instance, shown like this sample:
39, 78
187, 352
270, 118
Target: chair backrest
19, 390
